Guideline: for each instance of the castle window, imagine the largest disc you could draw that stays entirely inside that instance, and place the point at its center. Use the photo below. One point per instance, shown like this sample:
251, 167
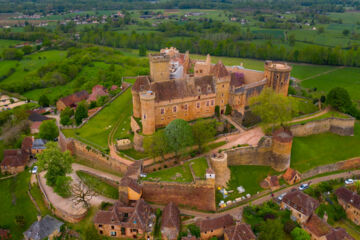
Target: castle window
174, 109
198, 104
144, 116
185, 107
223, 86
113, 234
200, 71
112, 227
199, 89
209, 89
162, 110
222, 101
212, 102
101, 232
100, 225
207, 103
222, 94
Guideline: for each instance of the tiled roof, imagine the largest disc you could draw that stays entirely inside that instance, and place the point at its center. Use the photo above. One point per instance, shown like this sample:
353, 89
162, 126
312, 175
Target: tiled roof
39, 143
301, 202
289, 174
13, 158
171, 217
317, 226
237, 79
338, 234
27, 144
4, 234
219, 70
36, 117
348, 196
97, 91
215, 223
240, 232
75, 98
43, 228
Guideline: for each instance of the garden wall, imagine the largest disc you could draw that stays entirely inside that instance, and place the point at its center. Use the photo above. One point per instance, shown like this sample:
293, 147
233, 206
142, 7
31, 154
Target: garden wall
342, 165
200, 195
340, 126
91, 154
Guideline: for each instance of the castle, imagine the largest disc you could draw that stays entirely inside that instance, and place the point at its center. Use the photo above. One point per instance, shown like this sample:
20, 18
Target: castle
179, 87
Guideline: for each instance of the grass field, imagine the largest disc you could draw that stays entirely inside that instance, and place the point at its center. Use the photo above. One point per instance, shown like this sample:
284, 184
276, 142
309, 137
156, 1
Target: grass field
5, 43
98, 185
96, 131
315, 150
14, 201
326, 115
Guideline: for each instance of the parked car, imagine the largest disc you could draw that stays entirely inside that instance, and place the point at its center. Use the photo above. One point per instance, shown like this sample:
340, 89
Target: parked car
349, 181
143, 175
303, 186
34, 170
280, 198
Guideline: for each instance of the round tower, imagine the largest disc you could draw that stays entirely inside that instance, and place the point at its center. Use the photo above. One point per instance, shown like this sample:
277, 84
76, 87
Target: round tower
278, 76
281, 149
136, 104
147, 100
220, 166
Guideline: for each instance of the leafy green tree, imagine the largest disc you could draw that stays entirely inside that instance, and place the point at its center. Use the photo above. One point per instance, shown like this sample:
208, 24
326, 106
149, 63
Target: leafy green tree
228, 109
321, 30
299, 234
48, 130
272, 108
55, 162
194, 230
62, 186
156, 145
44, 101
142, 51
271, 229
12, 54
80, 114
217, 111
204, 131
291, 40
345, 32
179, 135
27, 49
65, 116
339, 99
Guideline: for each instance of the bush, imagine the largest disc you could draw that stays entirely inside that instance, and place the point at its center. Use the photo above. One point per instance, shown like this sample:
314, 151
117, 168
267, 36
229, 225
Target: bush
194, 230
62, 186
217, 111
104, 205
228, 109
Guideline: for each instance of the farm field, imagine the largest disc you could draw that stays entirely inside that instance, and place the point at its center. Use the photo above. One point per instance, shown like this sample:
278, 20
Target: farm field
95, 132
5, 43
15, 200
312, 151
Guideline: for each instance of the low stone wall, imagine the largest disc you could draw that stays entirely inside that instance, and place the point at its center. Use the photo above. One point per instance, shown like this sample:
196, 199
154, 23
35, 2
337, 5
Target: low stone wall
89, 153
199, 195
340, 126
338, 166
104, 179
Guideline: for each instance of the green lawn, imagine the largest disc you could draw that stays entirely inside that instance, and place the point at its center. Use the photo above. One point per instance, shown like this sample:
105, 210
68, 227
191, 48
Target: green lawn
249, 177
315, 150
38, 197
199, 167
96, 131
305, 106
326, 115
134, 154
14, 201
98, 185
348, 78
5, 43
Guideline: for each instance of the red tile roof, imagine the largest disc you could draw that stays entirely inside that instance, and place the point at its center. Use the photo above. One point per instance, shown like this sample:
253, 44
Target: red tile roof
215, 223
317, 226
13, 158
4, 234
240, 232
289, 174
171, 217
301, 202
338, 234
348, 196
97, 91
219, 70
72, 99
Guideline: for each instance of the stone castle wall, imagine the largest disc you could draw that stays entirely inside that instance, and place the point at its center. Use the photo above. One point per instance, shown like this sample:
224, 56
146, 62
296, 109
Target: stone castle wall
340, 126
85, 151
200, 195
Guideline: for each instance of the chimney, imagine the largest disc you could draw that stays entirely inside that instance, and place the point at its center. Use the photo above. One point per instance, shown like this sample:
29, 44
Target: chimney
325, 217
39, 218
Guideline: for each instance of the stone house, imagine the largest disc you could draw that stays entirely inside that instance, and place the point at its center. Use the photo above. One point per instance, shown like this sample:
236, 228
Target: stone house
14, 161
291, 176
38, 146
300, 204
214, 227
71, 100
170, 222
36, 119
350, 201
240, 231
126, 221
45, 228
97, 91
129, 190
271, 182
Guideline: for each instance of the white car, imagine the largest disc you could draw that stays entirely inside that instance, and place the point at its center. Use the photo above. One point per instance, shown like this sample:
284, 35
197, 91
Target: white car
143, 175
349, 181
303, 186
281, 196
34, 170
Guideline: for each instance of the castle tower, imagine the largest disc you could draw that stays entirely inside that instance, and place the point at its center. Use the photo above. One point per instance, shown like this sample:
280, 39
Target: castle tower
278, 76
202, 68
136, 104
281, 149
187, 63
159, 67
148, 112
222, 79
220, 166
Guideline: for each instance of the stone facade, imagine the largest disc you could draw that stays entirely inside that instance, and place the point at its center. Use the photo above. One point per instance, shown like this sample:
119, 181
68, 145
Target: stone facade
350, 201
220, 165
166, 94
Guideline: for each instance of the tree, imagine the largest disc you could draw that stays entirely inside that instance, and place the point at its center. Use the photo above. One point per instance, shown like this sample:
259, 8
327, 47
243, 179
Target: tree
292, 40
345, 32
62, 186
142, 51
156, 145
44, 101
27, 49
272, 108
179, 135
321, 30
65, 116
217, 111
339, 99
48, 130
56, 163
204, 131
82, 194
228, 109
271, 229
12, 54
299, 234
80, 114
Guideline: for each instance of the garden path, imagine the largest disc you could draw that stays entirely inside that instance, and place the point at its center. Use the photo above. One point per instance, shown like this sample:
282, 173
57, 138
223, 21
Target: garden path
311, 116
320, 74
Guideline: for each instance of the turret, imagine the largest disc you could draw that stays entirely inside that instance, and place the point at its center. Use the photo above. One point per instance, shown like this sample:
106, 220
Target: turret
278, 76
281, 149
136, 104
220, 166
222, 79
159, 67
148, 112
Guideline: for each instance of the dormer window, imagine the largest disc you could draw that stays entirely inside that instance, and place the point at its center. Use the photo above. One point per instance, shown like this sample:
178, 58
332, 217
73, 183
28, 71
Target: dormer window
174, 109
199, 89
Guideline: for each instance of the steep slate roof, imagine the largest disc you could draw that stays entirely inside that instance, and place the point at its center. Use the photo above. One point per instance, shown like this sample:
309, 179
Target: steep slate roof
142, 83
13, 158
75, 98
215, 223
240, 232
237, 79
27, 144
36, 117
39, 143
338, 234
171, 217
301, 202
43, 228
317, 226
219, 70
348, 196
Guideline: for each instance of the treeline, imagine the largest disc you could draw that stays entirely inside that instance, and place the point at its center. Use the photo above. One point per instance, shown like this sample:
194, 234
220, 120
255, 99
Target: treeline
228, 47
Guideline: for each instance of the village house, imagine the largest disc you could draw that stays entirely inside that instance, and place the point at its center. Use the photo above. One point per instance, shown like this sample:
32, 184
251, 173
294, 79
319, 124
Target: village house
300, 204
71, 100
97, 91
240, 231
214, 227
350, 201
126, 221
170, 222
38, 146
291, 176
271, 182
45, 228
36, 119
129, 190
